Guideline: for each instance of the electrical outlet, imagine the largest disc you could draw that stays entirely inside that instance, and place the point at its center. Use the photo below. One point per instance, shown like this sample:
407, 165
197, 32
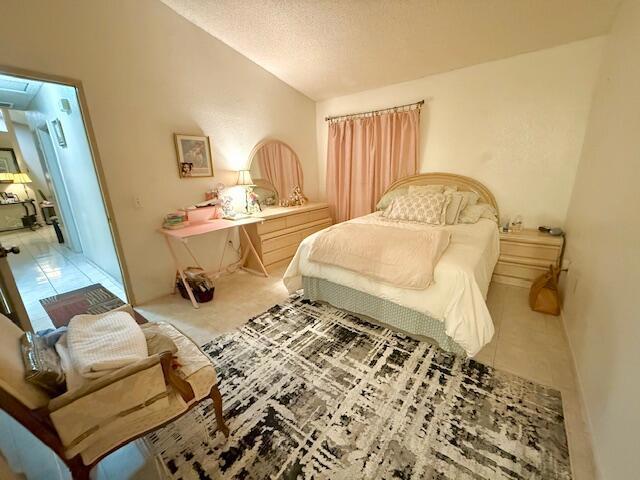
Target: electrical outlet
137, 201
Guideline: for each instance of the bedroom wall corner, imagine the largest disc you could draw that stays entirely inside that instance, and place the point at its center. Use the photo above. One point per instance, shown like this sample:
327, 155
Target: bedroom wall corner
600, 302
504, 123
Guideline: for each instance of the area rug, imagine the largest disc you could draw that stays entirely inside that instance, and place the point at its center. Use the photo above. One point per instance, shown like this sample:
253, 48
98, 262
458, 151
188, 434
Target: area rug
93, 299
312, 392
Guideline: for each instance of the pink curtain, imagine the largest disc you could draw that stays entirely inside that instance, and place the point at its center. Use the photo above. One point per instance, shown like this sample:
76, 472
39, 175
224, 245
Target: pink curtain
365, 155
279, 165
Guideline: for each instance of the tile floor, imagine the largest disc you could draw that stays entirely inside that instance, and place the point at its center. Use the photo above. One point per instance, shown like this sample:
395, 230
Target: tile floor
44, 268
526, 343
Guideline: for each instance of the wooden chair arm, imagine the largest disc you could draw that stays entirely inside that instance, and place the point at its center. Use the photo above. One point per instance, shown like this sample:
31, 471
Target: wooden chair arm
172, 378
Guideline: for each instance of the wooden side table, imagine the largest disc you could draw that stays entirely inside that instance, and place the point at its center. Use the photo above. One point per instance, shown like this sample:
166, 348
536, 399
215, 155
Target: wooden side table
526, 255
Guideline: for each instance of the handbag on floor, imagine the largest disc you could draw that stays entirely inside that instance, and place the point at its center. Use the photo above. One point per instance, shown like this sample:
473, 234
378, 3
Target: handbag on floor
544, 296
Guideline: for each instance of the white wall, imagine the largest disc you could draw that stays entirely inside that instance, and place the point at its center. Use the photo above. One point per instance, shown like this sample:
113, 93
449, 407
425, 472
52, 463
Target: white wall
516, 124
80, 182
148, 73
31, 159
601, 309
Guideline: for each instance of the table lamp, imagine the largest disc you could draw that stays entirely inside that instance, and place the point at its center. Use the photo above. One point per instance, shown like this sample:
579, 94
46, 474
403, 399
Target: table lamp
244, 180
22, 178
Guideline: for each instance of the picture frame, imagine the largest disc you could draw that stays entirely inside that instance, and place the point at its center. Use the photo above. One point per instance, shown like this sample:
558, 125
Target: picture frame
194, 156
8, 161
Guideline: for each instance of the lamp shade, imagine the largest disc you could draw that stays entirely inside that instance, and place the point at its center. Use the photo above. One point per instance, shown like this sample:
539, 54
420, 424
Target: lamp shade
21, 178
6, 177
244, 178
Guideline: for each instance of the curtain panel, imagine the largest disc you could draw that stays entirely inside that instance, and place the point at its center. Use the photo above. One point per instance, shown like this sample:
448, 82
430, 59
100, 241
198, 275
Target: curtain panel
365, 155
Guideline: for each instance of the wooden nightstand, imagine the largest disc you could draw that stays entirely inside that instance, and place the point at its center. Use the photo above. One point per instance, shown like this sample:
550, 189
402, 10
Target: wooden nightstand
526, 255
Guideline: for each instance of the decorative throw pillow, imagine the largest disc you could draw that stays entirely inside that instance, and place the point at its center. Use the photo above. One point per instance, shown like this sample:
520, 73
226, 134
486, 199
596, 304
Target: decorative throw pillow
473, 213
42, 364
424, 189
455, 206
427, 208
388, 197
471, 198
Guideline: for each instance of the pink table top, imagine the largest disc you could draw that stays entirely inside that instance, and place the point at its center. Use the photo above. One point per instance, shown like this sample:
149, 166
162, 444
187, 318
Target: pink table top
208, 227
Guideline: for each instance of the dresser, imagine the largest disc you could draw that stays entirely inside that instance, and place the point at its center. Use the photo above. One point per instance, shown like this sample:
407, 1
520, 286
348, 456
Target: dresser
277, 238
526, 255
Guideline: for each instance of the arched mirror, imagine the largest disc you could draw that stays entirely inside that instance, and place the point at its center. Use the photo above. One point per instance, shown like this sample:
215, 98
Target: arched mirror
275, 168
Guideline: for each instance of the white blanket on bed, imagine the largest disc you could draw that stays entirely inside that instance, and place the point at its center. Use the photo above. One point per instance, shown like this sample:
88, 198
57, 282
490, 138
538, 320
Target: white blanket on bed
457, 294
100, 344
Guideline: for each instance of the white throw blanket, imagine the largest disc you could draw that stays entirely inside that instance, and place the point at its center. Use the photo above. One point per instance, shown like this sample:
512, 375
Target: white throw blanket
100, 344
380, 252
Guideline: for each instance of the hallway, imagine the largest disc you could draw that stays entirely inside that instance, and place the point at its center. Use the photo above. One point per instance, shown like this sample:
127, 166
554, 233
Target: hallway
44, 268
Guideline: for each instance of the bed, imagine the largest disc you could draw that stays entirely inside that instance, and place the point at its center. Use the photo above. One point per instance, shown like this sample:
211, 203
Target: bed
452, 310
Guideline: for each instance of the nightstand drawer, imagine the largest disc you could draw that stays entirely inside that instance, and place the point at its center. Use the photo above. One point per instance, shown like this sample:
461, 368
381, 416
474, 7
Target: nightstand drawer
530, 250
524, 272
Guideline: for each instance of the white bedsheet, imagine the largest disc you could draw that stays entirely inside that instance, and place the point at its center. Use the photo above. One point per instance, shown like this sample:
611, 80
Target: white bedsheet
457, 294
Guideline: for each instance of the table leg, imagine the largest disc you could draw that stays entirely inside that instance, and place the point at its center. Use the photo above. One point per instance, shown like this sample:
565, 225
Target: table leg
253, 251
182, 276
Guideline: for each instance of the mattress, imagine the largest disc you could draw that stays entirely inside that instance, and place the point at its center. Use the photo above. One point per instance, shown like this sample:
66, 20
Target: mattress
457, 295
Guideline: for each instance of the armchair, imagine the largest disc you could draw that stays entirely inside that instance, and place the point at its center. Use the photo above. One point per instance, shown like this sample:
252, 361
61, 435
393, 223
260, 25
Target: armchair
84, 425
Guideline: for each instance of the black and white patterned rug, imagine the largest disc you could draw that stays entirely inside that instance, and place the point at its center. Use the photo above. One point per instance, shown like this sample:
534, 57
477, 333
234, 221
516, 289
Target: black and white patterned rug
312, 392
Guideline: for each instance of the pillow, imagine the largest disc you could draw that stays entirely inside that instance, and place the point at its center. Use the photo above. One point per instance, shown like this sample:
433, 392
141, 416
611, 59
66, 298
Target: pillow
388, 197
42, 364
473, 213
471, 198
423, 189
418, 208
454, 207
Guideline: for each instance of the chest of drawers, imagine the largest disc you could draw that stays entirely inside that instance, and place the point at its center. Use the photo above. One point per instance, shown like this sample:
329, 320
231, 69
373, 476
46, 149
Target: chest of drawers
277, 238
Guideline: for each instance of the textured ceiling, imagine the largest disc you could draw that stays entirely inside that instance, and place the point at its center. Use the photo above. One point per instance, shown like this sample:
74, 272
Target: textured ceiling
327, 48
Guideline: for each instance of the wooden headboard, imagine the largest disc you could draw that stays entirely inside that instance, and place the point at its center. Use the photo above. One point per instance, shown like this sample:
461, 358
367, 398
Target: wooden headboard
464, 184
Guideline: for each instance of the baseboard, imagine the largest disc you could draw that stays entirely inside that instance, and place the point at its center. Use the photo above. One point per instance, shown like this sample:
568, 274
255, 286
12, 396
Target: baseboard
583, 406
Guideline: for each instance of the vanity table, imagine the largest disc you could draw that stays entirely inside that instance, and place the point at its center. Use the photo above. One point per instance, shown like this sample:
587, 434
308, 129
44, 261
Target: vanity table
276, 239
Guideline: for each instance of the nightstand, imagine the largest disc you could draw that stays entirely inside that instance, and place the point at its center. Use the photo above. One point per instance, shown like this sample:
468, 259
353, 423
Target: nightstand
526, 255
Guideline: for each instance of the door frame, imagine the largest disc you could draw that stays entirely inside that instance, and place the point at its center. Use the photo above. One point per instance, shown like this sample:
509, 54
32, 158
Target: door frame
95, 155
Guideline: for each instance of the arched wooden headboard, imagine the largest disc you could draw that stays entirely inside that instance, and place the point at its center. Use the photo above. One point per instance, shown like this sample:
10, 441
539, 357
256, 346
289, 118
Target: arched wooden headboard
464, 184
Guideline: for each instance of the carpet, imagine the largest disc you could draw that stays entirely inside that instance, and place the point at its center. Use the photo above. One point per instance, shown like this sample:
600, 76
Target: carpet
311, 391
93, 299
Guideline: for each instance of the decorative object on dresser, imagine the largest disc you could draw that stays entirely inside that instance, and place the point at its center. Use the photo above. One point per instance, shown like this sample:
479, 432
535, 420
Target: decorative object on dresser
526, 255
277, 239
194, 156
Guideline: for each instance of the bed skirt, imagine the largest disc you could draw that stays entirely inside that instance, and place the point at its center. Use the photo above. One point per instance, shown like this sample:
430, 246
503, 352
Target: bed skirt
384, 311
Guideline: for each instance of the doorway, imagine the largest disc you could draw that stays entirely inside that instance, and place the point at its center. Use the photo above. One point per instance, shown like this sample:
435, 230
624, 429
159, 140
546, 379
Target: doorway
65, 248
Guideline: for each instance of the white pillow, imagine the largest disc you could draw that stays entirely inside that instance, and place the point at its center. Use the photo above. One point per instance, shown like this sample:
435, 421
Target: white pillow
473, 213
457, 202
388, 197
427, 208
424, 189
471, 198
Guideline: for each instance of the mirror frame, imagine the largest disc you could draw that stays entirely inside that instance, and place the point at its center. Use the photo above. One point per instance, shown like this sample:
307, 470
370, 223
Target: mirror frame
267, 140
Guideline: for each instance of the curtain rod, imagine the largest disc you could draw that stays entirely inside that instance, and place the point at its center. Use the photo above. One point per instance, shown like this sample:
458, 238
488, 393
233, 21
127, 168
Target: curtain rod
373, 112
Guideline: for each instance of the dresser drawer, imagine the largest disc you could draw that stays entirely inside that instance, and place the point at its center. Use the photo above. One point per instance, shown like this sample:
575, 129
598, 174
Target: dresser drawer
272, 225
279, 254
529, 250
525, 272
316, 228
307, 217
282, 241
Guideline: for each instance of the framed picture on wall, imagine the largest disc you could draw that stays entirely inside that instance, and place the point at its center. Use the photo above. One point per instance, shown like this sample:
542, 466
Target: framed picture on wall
194, 156
8, 161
